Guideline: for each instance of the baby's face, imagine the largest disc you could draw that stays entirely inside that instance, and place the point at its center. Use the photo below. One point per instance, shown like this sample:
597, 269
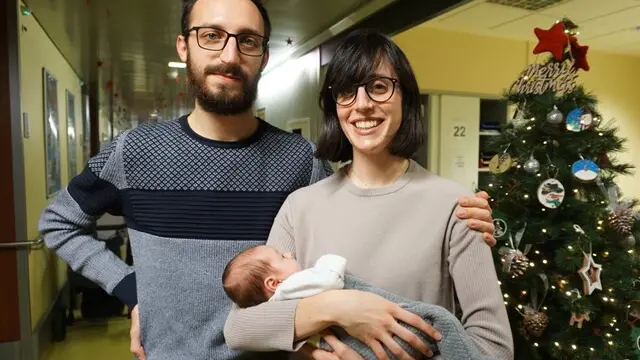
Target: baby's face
284, 264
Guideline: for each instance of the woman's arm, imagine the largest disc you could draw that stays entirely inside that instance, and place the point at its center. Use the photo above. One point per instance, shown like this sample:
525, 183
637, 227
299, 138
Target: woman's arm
471, 266
277, 325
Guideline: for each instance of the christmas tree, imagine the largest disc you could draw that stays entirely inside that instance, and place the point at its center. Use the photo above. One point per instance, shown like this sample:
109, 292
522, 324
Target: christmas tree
567, 251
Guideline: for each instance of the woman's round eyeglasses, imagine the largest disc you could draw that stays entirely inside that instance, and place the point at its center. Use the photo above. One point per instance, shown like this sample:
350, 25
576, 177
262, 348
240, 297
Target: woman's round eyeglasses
379, 89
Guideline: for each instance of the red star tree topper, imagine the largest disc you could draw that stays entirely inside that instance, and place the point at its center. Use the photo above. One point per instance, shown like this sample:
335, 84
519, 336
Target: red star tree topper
579, 53
556, 40
553, 40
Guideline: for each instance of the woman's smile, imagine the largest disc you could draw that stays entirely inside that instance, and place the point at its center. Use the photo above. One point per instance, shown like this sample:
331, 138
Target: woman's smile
366, 126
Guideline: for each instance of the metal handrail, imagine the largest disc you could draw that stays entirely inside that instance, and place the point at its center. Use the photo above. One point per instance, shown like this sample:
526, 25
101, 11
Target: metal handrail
40, 240
111, 227
23, 244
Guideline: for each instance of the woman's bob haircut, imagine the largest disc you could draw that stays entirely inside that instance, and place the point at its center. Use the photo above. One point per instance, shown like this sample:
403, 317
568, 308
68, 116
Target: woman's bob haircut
356, 61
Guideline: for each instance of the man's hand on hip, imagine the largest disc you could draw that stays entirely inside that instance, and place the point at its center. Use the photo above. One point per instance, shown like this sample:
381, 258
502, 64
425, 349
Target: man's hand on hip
136, 345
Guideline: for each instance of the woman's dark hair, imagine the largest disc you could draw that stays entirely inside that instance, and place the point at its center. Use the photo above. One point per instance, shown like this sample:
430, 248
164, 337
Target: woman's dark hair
187, 6
356, 61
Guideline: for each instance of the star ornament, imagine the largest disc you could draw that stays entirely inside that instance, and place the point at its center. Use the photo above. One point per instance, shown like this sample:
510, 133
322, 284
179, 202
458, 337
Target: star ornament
590, 274
553, 40
578, 319
579, 54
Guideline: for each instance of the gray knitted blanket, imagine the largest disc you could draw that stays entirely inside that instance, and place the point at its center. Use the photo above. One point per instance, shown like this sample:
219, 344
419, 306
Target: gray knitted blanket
455, 343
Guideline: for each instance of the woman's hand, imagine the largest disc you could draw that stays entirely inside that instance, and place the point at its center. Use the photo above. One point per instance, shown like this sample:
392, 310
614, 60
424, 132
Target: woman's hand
374, 320
340, 350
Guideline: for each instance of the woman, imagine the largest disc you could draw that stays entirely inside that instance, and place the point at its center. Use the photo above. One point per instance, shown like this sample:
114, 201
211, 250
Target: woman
393, 221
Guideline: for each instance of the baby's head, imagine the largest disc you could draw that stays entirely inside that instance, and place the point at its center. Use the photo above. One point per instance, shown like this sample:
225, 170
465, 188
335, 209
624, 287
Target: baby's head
252, 276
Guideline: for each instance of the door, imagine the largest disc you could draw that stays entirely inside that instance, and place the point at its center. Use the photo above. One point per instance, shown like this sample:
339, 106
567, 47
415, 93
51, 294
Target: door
459, 139
15, 322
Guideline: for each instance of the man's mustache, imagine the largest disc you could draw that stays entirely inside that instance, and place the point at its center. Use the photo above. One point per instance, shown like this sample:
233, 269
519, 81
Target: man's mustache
224, 69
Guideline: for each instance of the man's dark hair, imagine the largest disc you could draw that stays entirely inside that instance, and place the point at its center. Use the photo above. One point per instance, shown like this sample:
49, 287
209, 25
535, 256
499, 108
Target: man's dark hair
356, 61
187, 6
243, 279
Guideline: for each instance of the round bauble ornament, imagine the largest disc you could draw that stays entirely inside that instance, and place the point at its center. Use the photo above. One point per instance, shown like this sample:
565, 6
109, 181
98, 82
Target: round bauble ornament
585, 170
573, 120
551, 193
579, 119
586, 121
500, 163
555, 116
500, 227
532, 165
628, 242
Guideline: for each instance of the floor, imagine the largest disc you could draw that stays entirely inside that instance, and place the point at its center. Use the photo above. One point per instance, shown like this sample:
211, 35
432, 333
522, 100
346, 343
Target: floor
110, 341
95, 341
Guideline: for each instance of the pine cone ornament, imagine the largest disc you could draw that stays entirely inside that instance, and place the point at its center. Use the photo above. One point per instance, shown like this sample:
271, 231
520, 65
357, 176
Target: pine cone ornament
535, 323
515, 263
621, 220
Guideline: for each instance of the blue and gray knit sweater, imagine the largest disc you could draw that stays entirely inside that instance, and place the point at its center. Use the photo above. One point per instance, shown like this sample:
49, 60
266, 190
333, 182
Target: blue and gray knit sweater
190, 205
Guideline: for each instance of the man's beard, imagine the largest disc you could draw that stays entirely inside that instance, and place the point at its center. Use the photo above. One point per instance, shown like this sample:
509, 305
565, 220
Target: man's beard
222, 101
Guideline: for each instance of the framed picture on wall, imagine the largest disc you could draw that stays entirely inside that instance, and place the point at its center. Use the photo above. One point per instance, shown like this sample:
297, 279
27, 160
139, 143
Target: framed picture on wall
261, 113
72, 142
51, 134
86, 130
300, 126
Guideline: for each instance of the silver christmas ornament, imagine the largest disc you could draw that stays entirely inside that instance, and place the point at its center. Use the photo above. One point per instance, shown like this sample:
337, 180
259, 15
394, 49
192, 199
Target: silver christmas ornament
532, 165
629, 242
555, 116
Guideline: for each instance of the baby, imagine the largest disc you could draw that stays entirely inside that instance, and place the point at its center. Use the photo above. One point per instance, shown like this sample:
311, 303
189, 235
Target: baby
260, 274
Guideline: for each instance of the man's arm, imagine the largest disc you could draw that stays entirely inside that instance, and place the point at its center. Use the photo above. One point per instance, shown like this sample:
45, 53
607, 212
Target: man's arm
321, 168
68, 223
484, 316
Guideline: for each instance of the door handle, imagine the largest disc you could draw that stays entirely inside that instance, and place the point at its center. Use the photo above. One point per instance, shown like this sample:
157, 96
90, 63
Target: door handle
23, 244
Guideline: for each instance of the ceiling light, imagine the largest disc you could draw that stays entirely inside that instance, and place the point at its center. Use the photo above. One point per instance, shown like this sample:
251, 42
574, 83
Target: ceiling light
179, 65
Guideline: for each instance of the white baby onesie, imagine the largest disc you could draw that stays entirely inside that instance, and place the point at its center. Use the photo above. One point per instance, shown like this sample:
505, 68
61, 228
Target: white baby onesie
326, 274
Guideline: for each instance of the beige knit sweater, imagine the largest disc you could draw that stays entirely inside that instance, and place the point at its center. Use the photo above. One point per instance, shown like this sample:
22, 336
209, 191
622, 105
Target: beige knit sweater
404, 238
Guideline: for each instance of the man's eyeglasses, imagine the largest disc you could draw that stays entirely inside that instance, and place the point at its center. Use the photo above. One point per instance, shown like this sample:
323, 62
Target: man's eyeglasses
378, 89
214, 39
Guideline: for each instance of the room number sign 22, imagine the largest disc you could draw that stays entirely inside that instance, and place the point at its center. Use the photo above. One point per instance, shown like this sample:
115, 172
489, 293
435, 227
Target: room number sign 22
459, 131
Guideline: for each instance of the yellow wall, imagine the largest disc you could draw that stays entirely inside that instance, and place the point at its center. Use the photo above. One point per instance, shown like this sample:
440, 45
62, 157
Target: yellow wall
466, 63
46, 272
